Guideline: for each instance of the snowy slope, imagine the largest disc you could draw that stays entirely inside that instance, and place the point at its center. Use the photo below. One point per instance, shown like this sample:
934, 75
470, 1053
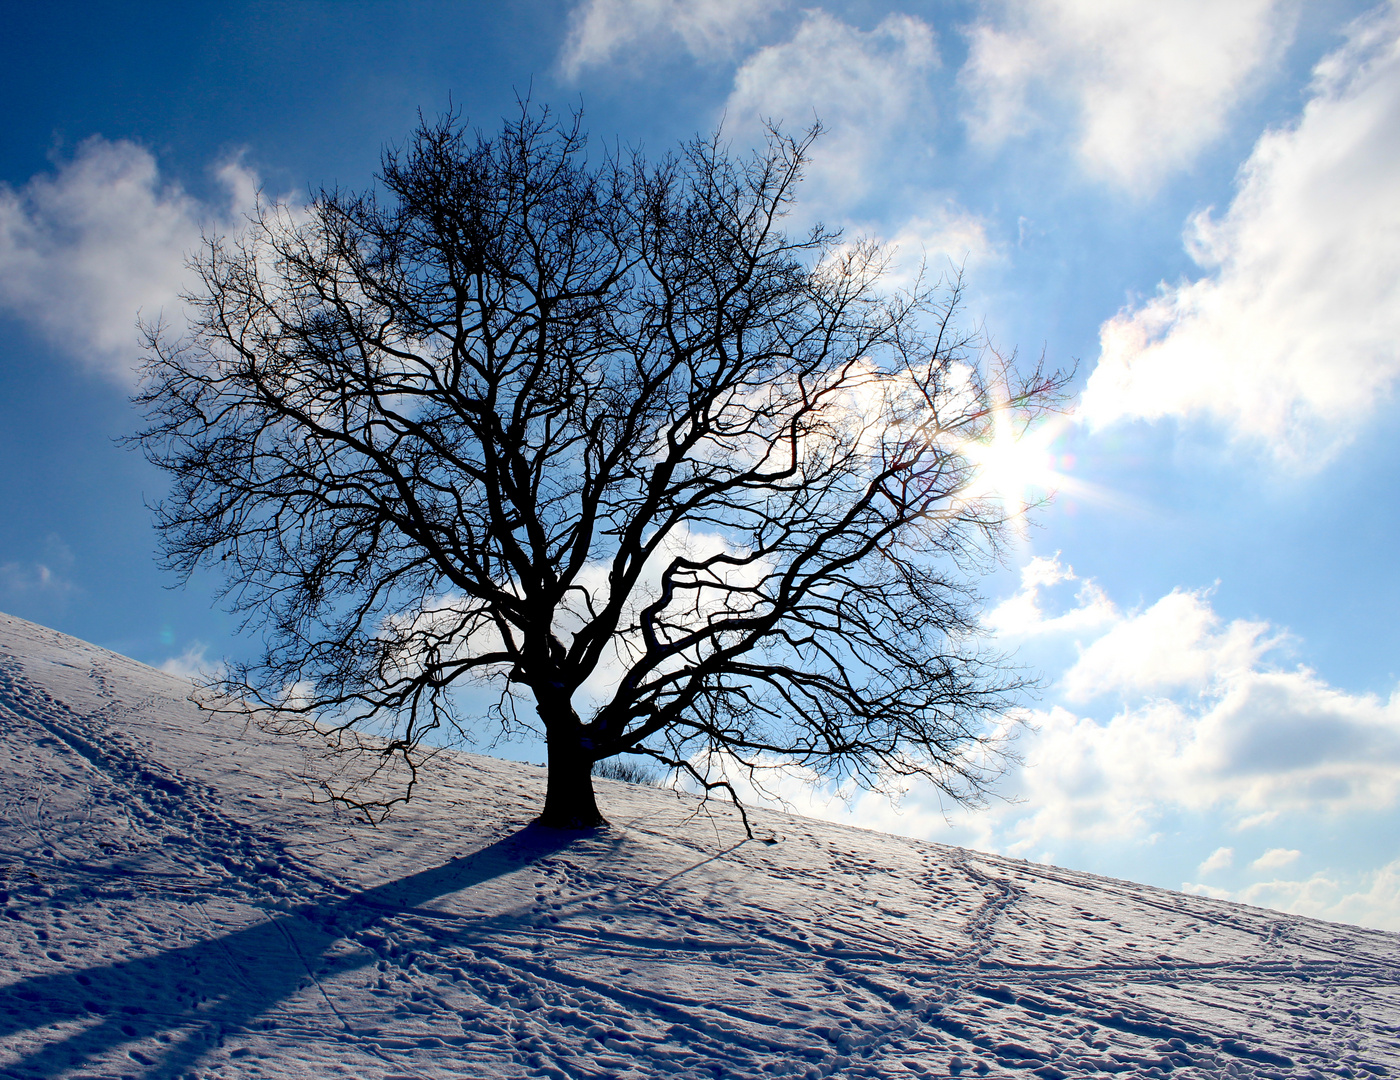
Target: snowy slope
176, 908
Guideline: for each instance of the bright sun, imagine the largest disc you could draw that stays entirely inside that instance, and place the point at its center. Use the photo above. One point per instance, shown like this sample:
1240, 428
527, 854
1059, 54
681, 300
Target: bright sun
1017, 466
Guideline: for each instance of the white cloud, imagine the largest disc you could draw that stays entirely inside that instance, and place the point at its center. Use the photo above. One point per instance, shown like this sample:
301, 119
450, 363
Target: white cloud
46, 578
193, 664
1294, 336
86, 247
1200, 723
1219, 859
870, 89
683, 541
1260, 742
22, 579
1275, 858
617, 32
1021, 615
1174, 644
458, 629
1370, 898
1367, 899
1150, 84
1045, 570
1197, 889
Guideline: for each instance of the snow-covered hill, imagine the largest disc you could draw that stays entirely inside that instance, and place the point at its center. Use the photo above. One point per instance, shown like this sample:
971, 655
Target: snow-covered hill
176, 908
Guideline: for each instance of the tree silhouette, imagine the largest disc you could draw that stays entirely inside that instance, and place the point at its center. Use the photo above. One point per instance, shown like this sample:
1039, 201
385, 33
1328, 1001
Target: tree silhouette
603, 437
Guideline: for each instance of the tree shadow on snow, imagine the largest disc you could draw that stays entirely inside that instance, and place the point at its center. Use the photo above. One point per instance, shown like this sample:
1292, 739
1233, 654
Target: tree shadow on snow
187, 998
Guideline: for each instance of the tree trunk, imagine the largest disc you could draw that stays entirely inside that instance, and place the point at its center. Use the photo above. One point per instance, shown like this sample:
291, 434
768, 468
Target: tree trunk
569, 802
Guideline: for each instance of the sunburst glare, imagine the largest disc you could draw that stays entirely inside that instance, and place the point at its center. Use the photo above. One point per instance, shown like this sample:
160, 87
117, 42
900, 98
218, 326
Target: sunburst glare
1021, 465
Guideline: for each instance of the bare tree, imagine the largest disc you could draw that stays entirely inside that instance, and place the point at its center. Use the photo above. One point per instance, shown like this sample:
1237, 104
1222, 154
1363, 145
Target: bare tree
604, 437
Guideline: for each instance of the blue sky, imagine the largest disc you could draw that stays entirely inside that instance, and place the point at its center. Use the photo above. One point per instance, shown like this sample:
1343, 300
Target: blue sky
1194, 202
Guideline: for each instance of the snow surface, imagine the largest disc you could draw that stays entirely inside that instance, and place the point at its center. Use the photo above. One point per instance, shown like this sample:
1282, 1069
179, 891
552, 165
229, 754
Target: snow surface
176, 907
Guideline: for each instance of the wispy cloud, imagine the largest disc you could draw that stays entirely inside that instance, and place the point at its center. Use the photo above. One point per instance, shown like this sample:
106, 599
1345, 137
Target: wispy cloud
47, 578
626, 33
1147, 86
869, 88
193, 664
17, 578
1294, 334
1275, 859
933, 240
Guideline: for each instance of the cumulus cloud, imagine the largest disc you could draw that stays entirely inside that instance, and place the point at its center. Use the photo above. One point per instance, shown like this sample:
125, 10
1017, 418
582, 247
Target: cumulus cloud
87, 246
1237, 740
1371, 898
618, 32
1186, 713
1149, 85
870, 89
1177, 643
1219, 859
1293, 336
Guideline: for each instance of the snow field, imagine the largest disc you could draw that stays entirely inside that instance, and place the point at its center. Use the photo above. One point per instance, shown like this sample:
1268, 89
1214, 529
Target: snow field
174, 907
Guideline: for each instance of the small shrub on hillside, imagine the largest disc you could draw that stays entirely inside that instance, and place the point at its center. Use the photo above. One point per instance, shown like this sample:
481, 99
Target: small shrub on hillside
627, 771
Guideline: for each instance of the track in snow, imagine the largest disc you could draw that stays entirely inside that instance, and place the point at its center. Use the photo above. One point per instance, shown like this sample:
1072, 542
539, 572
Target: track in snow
174, 907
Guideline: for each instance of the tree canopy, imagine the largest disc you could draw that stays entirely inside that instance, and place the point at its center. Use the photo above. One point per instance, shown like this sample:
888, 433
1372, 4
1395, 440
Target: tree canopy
600, 436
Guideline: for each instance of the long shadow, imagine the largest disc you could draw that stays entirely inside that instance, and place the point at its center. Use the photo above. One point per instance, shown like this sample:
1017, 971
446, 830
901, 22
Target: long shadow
226, 983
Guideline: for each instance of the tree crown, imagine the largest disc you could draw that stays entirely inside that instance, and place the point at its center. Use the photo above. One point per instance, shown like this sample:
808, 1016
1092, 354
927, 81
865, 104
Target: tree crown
604, 437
